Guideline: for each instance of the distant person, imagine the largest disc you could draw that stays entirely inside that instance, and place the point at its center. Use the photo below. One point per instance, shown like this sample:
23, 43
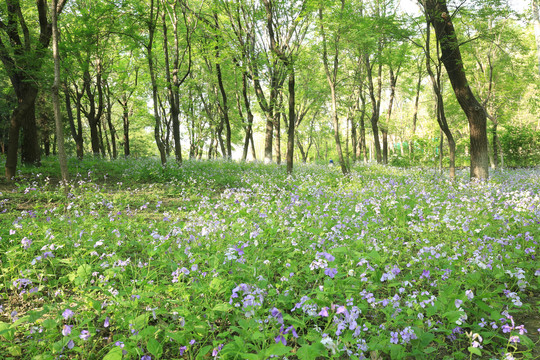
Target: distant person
331, 163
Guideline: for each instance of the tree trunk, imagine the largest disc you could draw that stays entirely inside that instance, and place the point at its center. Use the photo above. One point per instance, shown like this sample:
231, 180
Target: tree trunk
393, 82
19, 60
439, 102
125, 123
249, 126
451, 57
157, 127
62, 157
277, 128
112, 130
292, 121
415, 111
331, 77
495, 140
374, 94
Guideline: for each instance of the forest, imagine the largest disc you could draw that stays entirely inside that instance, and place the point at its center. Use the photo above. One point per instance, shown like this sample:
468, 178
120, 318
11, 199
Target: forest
273, 179
403, 83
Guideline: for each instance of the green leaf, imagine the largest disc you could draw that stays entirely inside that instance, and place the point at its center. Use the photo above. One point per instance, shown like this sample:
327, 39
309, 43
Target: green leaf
15, 350
426, 338
49, 324
202, 353
114, 354
141, 321
397, 351
311, 352
432, 310
5, 331
278, 349
154, 347
222, 307
429, 350
474, 350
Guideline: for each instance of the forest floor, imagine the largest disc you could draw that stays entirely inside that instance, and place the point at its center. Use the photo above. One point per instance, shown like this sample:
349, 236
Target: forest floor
234, 260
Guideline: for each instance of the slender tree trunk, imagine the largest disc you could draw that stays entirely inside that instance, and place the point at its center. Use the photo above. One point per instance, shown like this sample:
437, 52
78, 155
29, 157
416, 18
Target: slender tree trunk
170, 92
331, 77
249, 125
292, 121
441, 116
495, 140
157, 127
415, 111
375, 106
112, 130
451, 57
224, 110
125, 123
393, 82
76, 133
277, 128
62, 157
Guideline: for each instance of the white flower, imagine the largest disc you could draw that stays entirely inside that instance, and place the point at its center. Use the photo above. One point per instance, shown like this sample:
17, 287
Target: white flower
329, 344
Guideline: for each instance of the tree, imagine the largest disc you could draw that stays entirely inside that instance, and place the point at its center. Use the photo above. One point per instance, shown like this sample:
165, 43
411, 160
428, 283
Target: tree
22, 56
62, 157
439, 16
331, 75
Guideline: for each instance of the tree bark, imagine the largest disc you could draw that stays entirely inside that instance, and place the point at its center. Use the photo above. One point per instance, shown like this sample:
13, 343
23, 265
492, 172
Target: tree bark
331, 77
62, 157
150, 58
437, 12
292, 121
441, 115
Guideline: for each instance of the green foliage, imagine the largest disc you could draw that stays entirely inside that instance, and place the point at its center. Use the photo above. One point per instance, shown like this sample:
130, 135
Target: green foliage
241, 260
521, 145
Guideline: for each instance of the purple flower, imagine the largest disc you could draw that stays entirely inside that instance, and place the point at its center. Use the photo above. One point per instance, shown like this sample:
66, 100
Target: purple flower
341, 310
292, 330
277, 315
85, 335
182, 350
216, 350
327, 256
331, 272
324, 312
425, 274
146, 357
66, 330
394, 337
507, 328
280, 338
192, 341
26, 242
106, 322
458, 303
70, 344
514, 339
67, 314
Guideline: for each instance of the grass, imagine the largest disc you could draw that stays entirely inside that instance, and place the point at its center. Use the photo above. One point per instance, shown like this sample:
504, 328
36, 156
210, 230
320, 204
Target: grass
240, 261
